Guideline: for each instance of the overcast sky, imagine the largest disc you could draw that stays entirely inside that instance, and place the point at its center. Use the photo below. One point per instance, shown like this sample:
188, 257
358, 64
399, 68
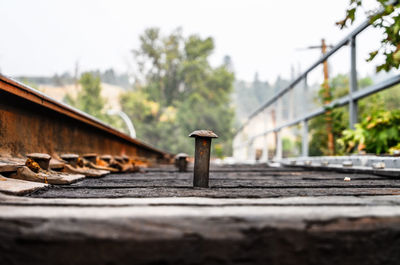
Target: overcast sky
47, 37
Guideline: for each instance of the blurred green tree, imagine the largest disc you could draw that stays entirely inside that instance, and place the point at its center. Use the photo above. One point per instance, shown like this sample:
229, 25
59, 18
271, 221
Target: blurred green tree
339, 86
378, 133
178, 91
378, 129
385, 17
89, 98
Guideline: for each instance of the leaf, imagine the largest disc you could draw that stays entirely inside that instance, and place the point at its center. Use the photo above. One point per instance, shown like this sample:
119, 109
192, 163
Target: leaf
351, 14
372, 55
396, 56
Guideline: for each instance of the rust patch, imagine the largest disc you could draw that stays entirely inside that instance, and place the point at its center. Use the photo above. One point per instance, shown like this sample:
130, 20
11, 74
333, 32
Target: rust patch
32, 165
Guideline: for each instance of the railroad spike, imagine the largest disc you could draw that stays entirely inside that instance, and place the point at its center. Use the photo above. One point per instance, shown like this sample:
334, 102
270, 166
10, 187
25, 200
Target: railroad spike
181, 162
106, 158
91, 157
71, 159
202, 157
42, 159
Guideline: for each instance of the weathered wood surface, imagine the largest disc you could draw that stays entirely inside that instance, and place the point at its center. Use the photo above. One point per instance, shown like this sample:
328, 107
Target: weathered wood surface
19, 187
252, 215
10, 164
51, 177
228, 183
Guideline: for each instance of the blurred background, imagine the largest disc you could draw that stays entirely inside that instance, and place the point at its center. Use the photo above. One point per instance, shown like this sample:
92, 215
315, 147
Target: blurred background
158, 70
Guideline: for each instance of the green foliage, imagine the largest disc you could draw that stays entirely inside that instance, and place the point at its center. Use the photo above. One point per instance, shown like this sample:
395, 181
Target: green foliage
339, 86
89, 100
291, 147
385, 100
219, 150
29, 83
152, 123
177, 91
375, 134
395, 150
389, 21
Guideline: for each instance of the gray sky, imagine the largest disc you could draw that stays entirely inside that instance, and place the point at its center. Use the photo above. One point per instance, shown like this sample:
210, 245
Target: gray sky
47, 36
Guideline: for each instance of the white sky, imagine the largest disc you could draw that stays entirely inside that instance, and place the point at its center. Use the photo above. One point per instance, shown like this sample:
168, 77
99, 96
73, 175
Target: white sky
46, 37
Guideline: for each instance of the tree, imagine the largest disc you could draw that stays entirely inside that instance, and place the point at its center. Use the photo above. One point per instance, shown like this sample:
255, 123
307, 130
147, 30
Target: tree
89, 98
378, 133
250, 96
386, 18
178, 91
159, 60
378, 130
339, 86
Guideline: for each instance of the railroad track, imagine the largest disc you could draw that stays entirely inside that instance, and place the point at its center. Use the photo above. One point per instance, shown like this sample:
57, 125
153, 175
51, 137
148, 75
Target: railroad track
248, 215
97, 196
34, 125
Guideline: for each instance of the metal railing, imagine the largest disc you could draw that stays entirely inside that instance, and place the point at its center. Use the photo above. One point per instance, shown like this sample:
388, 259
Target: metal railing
242, 141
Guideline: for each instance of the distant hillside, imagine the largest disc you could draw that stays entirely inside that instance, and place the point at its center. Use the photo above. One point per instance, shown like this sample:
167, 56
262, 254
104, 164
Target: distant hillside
110, 92
108, 76
58, 86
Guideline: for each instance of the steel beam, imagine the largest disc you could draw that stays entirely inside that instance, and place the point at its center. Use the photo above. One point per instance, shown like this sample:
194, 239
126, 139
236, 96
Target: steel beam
278, 145
353, 103
304, 140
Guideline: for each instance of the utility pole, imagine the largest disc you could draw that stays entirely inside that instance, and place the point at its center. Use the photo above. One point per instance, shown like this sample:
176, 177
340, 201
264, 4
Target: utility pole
327, 100
76, 74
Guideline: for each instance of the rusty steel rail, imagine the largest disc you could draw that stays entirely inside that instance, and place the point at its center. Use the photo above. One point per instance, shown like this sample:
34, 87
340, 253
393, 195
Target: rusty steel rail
33, 122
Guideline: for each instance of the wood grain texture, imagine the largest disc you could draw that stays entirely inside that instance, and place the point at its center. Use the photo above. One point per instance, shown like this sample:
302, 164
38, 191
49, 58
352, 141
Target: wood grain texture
249, 215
